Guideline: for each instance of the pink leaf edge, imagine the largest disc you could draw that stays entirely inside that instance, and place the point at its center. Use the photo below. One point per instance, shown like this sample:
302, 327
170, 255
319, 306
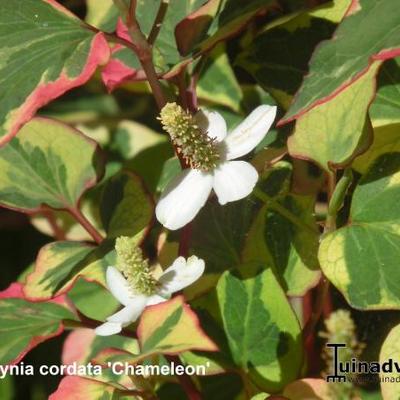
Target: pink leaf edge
15, 291
44, 93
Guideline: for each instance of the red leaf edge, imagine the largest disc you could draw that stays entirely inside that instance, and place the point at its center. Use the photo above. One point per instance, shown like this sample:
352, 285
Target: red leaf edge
44, 93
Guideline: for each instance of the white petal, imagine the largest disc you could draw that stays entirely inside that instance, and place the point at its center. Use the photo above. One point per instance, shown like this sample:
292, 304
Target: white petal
129, 313
249, 133
118, 286
183, 198
108, 328
213, 123
155, 299
234, 180
180, 274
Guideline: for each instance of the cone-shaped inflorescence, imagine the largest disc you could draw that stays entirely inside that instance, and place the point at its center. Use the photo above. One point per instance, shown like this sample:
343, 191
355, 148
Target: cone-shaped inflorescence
134, 267
194, 145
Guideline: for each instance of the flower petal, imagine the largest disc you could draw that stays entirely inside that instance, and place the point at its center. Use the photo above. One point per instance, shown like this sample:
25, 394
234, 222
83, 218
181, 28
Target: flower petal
118, 286
129, 313
250, 132
213, 123
155, 299
183, 198
180, 274
234, 180
108, 328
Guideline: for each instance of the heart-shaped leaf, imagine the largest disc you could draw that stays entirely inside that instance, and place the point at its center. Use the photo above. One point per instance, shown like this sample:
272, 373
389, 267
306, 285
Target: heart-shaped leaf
49, 163
344, 59
334, 132
361, 258
262, 330
171, 327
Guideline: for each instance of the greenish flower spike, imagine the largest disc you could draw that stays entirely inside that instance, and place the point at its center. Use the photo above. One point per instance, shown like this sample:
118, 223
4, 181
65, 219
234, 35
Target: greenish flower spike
134, 267
197, 149
340, 328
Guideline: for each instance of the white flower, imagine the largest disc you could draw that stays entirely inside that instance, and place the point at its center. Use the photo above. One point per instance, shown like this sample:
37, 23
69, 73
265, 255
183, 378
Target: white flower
180, 274
231, 180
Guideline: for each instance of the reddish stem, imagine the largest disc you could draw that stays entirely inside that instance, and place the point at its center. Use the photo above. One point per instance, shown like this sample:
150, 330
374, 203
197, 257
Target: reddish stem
185, 381
144, 52
58, 233
184, 242
86, 224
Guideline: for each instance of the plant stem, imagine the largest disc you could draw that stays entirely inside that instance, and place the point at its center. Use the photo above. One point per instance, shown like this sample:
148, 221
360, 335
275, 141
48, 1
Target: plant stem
323, 286
58, 233
322, 292
185, 381
144, 52
162, 11
86, 224
330, 222
274, 205
184, 240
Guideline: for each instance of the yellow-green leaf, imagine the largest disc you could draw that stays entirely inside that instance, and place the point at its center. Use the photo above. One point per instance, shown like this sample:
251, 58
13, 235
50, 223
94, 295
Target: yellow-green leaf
49, 163
361, 258
334, 132
171, 327
262, 331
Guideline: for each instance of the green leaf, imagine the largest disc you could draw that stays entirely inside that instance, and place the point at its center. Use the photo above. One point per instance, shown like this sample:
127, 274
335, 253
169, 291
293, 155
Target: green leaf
171, 168
390, 349
217, 82
102, 14
386, 107
263, 332
215, 21
92, 299
334, 132
48, 163
345, 58
260, 396
386, 140
126, 208
23, 325
46, 51
60, 264
361, 258
138, 144
278, 57
288, 243
132, 138
219, 233
7, 391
